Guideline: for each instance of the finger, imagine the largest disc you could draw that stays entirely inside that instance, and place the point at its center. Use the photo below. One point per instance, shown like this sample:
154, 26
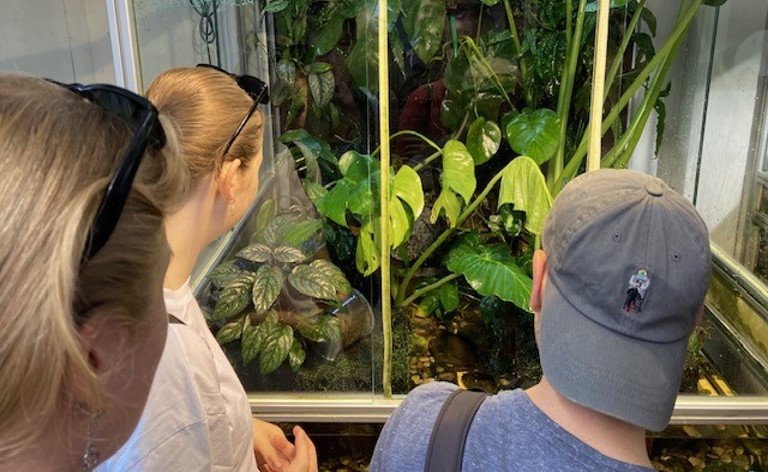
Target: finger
303, 448
312, 456
283, 446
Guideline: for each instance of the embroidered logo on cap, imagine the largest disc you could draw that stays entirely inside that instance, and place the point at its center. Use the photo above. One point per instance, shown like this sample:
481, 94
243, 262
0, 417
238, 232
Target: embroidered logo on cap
638, 285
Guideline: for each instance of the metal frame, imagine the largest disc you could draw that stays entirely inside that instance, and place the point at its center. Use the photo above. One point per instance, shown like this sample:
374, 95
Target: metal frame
122, 36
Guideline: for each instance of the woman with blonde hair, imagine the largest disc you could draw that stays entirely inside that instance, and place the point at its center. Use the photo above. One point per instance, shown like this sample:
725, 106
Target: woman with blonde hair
88, 175
198, 416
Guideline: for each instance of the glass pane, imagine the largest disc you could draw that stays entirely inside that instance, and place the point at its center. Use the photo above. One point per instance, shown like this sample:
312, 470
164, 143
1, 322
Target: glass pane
304, 316
63, 40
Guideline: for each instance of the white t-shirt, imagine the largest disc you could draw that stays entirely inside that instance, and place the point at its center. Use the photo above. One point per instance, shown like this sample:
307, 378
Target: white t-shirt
197, 416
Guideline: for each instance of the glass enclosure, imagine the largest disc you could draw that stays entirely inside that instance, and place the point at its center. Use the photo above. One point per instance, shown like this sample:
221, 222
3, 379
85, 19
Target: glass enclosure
471, 87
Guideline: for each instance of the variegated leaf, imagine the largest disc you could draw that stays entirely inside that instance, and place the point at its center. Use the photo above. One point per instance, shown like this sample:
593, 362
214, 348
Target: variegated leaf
267, 286
275, 348
256, 253
234, 297
288, 255
311, 281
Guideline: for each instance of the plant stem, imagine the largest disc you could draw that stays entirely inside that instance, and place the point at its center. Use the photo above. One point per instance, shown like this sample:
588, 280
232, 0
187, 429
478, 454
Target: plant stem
575, 162
618, 60
400, 301
555, 167
413, 133
427, 161
518, 50
428, 288
630, 139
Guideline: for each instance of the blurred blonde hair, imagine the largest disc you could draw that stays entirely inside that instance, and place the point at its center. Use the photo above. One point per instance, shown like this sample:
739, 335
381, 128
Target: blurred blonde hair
57, 153
206, 106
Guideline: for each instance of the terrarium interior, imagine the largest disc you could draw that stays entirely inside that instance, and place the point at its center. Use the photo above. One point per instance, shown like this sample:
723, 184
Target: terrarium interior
488, 113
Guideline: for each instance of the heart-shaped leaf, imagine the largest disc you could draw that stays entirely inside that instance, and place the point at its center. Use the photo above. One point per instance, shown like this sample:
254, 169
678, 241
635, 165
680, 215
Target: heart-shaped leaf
490, 270
448, 203
458, 170
524, 186
483, 140
534, 134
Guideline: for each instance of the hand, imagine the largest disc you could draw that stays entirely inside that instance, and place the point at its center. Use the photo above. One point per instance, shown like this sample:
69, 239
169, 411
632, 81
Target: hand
271, 447
305, 459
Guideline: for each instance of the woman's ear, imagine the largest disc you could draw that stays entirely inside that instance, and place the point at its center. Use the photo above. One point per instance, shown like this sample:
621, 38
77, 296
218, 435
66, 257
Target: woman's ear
539, 279
228, 181
100, 338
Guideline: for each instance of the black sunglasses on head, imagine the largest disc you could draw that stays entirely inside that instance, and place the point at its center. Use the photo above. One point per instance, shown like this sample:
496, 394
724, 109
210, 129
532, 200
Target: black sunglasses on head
142, 117
254, 87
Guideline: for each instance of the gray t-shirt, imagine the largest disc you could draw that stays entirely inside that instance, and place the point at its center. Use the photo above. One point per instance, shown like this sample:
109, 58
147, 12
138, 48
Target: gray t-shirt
509, 433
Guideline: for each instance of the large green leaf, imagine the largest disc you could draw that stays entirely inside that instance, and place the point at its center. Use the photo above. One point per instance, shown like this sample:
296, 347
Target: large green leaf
322, 86
256, 252
490, 270
234, 297
288, 255
314, 191
534, 134
286, 72
312, 281
328, 36
225, 273
232, 330
428, 28
333, 274
483, 140
296, 356
334, 204
266, 287
323, 328
356, 167
407, 187
458, 170
524, 186
448, 203
275, 348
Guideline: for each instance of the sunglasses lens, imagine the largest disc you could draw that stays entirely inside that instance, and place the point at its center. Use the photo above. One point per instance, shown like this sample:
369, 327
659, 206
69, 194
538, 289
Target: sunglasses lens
254, 87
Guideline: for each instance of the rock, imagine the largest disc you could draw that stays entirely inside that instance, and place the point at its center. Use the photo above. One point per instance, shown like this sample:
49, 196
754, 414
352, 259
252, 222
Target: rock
447, 377
479, 380
450, 350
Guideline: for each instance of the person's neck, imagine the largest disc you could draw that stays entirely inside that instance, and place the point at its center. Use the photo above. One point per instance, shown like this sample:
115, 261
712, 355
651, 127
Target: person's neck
55, 450
189, 231
608, 435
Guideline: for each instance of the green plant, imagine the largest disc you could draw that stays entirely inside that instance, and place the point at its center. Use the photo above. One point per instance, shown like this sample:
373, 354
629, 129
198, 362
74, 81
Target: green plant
255, 292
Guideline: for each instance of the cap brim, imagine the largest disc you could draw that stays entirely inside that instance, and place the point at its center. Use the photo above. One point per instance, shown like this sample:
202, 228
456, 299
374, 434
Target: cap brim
633, 380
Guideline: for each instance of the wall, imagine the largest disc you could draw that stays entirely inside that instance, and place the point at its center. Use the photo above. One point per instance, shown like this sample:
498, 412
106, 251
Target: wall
709, 145
67, 40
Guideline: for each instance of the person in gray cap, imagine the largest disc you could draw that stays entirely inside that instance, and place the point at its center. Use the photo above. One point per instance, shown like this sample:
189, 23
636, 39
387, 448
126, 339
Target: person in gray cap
618, 287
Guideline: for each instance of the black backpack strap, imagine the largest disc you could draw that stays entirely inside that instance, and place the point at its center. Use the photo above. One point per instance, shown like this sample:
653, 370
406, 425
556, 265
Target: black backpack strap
446, 445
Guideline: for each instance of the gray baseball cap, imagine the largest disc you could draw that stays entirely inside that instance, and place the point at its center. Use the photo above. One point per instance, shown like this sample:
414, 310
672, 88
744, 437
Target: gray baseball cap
628, 267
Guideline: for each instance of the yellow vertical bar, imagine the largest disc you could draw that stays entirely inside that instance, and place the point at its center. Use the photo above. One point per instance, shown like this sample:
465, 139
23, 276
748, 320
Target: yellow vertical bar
598, 86
386, 308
